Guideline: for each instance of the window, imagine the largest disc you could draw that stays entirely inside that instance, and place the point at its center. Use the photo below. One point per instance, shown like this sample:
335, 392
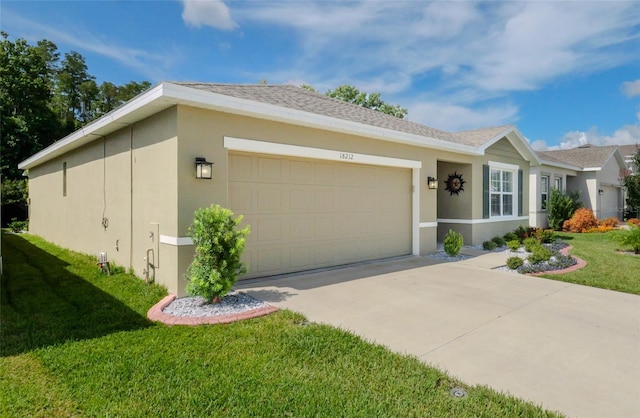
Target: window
558, 184
64, 179
502, 191
544, 191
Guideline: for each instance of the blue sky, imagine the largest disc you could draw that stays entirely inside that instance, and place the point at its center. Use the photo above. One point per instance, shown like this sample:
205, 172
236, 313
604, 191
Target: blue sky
565, 73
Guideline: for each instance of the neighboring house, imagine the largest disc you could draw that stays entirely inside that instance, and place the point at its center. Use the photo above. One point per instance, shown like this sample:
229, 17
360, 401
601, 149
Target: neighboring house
321, 182
628, 152
591, 170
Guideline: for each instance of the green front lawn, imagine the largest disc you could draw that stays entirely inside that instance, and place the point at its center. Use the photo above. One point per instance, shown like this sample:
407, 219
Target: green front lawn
77, 343
606, 267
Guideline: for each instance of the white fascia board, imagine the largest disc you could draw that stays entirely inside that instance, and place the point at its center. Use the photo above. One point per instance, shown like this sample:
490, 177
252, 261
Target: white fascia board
90, 132
592, 169
201, 98
516, 139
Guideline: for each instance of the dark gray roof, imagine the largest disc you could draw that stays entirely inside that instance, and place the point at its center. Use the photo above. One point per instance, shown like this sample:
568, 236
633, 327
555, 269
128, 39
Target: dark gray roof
585, 156
293, 97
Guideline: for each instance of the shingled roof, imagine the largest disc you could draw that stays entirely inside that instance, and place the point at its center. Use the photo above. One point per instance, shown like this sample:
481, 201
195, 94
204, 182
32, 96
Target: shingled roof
585, 156
297, 98
282, 103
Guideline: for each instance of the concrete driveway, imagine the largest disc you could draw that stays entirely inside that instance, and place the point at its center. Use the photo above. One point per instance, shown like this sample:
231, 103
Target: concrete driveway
571, 348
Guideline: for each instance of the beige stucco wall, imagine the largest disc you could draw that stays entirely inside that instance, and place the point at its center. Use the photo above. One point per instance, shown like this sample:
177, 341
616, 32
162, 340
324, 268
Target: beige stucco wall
129, 178
98, 185
469, 212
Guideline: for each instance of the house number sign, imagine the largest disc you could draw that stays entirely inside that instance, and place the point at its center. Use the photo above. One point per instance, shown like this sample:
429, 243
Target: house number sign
346, 156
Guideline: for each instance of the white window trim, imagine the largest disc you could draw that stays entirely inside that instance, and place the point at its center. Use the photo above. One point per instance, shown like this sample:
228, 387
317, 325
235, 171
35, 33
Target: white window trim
542, 177
494, 165
555, 181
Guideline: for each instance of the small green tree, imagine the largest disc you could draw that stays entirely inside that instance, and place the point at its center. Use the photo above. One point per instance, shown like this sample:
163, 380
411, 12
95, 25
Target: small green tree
561, 207
453, 243
219, 245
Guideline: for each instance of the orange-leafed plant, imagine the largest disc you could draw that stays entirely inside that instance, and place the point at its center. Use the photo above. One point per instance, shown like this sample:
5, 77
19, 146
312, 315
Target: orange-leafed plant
582, 220
612, 222
600, 228
634, 221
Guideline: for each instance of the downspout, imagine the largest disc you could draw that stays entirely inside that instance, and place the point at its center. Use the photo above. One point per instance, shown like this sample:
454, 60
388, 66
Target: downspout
131, 196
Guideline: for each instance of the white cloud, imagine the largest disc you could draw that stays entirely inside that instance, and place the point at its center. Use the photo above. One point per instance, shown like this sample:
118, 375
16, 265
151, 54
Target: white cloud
453, 117
469, 52
485, 47
631, 88
628, 134
213, 13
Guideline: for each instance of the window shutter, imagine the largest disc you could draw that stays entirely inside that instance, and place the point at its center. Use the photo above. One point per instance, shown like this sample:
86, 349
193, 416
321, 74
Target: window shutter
486, 197
520, 192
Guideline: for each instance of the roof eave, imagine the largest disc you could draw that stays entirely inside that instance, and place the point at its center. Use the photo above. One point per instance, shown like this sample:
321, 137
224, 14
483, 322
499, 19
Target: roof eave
165, 95
244, 107
561, 165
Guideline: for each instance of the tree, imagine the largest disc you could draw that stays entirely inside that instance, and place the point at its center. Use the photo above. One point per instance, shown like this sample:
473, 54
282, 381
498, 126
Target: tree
370, 101
27, 122
111, 96
75, 91
630, 182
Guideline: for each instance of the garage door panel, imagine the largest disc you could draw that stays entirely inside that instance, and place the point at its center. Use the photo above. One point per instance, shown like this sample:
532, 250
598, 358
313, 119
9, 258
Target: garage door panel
269, 169
307, 214
240, 198
269, 229
324, 199
303, 256
324, 226
240, 167
301, 172
269, 199
301, 199
269, 260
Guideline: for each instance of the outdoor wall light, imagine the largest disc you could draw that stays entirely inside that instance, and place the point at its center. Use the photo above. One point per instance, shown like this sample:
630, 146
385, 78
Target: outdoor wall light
432, 182
600, 192
203, 168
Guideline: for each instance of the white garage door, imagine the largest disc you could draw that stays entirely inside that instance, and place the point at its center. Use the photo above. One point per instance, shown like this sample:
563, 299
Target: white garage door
307, 214
610, 202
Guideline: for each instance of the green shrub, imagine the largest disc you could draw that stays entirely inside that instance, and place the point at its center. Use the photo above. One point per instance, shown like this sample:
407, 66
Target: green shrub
500, 242
561, 208
539, 255
514, 244
530, 244
514, 262
219, 245
523, 232
489, 245
510, 236
545, 236
18, 226
629, 238
453, 243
